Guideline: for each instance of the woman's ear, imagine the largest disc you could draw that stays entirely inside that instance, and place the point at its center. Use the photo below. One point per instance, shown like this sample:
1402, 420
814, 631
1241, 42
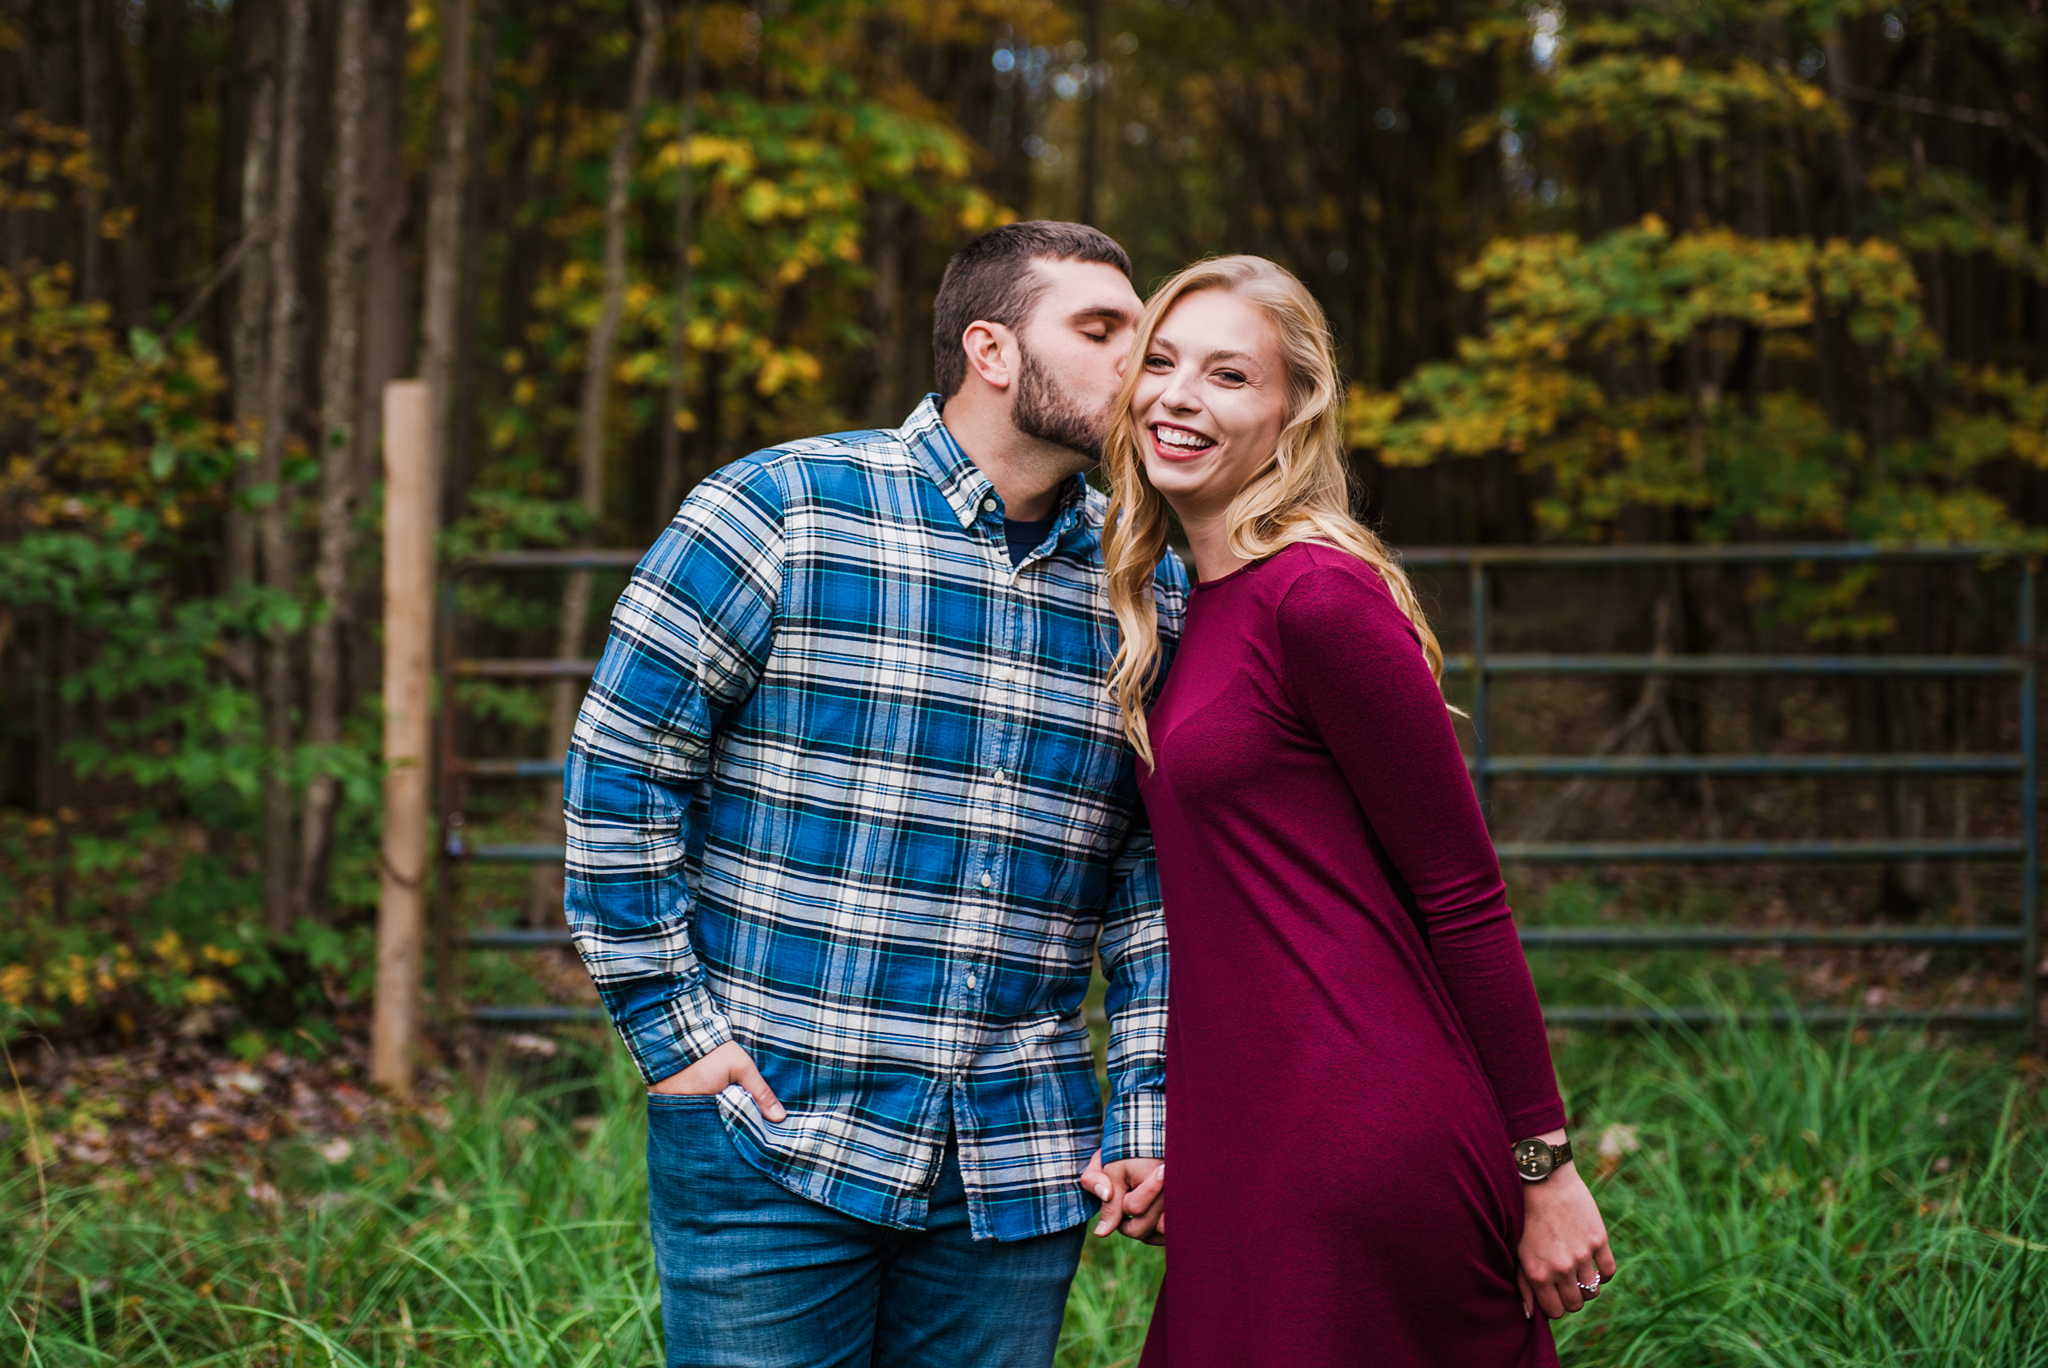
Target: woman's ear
992, 353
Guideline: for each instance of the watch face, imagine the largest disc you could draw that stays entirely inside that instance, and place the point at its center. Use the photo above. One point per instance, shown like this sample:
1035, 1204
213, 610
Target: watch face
1532, 1159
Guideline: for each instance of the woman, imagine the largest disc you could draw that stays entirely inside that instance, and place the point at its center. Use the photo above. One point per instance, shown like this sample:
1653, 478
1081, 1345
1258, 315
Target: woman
1354, 1046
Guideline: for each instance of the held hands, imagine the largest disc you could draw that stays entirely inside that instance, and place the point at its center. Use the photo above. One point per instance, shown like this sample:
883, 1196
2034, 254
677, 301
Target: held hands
1133, 1197
724, 1066
1564, 1243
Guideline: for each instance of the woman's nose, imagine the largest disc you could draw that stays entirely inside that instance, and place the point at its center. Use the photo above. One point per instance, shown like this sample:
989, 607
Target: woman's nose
1180, 394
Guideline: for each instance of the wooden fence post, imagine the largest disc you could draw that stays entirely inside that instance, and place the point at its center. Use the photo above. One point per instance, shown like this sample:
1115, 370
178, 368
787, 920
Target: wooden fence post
411, 514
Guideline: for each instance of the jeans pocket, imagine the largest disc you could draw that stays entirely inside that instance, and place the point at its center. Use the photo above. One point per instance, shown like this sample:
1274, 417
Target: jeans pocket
681, 1102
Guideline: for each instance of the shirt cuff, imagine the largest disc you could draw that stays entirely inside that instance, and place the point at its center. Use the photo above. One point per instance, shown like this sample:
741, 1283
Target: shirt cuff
1536, 1121
1135, 1127
671, 1035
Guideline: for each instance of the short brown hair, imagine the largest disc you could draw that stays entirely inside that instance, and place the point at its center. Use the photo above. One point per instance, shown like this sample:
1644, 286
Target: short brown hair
990, 280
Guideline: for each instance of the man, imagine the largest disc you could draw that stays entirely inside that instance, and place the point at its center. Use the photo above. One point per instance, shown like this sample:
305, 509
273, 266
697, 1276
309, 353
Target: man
849, 816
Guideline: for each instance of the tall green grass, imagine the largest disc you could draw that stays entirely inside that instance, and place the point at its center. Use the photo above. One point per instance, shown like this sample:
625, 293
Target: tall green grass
1792, 1199
1817, 1199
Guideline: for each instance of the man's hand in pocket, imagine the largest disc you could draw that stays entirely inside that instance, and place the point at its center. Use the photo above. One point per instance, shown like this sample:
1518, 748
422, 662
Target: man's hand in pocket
715, 1072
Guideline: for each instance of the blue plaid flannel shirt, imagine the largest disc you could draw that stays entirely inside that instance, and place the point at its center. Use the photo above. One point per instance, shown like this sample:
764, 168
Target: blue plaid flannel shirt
848, 789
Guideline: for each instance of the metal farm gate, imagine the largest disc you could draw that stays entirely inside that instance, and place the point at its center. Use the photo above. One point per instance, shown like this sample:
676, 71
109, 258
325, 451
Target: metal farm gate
1483, 666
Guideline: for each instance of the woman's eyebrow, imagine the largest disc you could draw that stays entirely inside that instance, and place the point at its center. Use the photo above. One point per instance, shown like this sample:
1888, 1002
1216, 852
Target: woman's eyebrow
1220, 354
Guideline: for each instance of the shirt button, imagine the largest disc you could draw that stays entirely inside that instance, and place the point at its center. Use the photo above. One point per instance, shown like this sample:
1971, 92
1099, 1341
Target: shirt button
988, 505
1001, 777
970, 980
988, 880
1005, 673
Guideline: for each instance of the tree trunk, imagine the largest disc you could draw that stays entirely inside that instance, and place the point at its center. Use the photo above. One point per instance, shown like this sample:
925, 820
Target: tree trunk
463, 425
885, 251
387, 279
252, 306
545, 891
339, 395
445, 246
388, 307
444, 224
669, 491
274, 526
1091, 117
166, 28
92, 109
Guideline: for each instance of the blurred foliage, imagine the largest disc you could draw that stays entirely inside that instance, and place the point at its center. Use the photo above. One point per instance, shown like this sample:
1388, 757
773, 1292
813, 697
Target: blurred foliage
778, 275
1579, 334
1755, 382
133, 892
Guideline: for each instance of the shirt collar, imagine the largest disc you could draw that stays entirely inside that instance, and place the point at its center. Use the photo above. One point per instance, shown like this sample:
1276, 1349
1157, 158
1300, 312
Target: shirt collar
959, 479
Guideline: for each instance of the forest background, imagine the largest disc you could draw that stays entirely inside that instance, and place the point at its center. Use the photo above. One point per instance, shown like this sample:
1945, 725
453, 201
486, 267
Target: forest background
1726, 271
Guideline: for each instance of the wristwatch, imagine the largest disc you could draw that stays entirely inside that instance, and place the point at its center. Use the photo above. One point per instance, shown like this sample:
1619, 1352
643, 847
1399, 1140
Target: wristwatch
1535, 1160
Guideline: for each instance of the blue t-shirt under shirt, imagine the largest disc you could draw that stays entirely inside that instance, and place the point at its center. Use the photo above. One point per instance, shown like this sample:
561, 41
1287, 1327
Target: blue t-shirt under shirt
1024, 537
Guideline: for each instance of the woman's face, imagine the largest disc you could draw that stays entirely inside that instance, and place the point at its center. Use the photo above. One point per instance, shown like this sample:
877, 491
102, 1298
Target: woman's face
1210, 401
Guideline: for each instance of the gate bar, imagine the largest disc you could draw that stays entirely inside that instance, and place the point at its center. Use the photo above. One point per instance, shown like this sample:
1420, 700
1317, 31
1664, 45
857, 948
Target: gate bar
2030, 816
511, 769
1456, 557
1820, 766
1718, 852
614, 559
520, 938
1545, 937
1619, 766
513, 854
533, 667
1480, 665
537, 1016
1734, 937
1809, 1016
1736, 664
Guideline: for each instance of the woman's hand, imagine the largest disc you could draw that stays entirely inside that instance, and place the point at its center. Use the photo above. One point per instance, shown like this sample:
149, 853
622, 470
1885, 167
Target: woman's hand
1564, 1243
1132, 1193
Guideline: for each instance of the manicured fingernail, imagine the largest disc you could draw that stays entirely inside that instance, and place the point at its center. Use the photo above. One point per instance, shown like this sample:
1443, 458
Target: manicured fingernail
1525, 1312
1102, 1191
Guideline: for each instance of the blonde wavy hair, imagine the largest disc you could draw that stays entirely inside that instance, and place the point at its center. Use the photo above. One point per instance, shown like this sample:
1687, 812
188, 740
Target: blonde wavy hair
1303, 493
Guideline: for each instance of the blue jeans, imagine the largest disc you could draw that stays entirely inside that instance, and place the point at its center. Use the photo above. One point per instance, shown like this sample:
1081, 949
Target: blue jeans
754, 1276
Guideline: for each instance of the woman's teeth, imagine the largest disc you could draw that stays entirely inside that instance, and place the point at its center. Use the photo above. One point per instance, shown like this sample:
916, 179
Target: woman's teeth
1181, 440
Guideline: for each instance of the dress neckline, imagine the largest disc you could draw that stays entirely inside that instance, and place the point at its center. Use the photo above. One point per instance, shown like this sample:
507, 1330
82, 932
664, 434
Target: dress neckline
1221, 580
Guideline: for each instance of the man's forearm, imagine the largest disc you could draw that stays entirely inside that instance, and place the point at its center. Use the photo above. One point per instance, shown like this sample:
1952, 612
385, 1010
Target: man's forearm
628, 906
671, 1035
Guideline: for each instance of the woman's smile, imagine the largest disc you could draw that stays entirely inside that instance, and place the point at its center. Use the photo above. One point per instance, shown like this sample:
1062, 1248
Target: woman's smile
1176, 443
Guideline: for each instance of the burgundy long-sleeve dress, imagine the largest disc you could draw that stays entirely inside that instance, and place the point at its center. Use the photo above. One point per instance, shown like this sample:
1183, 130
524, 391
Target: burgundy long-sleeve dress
1353, 1042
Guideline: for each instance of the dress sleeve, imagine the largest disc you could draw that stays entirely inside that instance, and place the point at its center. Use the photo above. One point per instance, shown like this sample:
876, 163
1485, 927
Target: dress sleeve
1355, 673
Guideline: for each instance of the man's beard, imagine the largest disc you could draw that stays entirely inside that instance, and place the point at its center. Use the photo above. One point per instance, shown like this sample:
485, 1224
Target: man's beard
1044, 411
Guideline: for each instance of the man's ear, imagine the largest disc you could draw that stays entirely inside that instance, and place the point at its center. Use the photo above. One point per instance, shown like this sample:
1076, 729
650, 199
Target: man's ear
992, 353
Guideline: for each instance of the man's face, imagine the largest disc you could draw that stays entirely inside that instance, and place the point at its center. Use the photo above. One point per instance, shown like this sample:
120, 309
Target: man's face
1072, 354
